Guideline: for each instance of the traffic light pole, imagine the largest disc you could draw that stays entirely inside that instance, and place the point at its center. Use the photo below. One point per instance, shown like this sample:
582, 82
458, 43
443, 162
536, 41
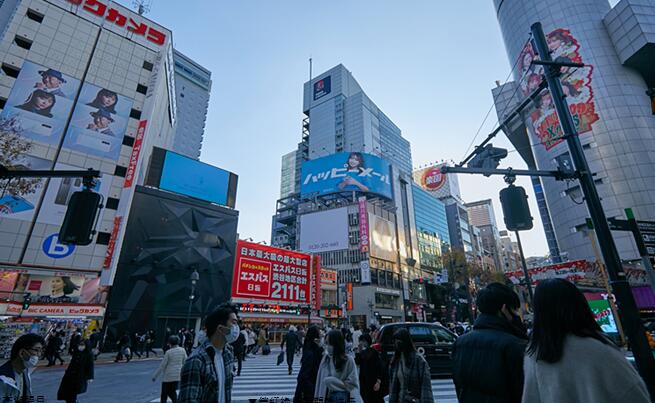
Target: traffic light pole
87, 175
633, 327
526, 273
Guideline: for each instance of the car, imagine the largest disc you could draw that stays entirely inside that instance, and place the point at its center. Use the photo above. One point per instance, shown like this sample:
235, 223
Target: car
433, 341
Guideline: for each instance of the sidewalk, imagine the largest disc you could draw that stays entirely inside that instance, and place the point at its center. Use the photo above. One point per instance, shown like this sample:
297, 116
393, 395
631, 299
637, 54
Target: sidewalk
105, 358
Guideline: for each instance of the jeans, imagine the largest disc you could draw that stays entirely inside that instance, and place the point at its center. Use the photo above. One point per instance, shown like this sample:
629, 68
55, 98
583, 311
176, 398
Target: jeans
169, 389
338, 397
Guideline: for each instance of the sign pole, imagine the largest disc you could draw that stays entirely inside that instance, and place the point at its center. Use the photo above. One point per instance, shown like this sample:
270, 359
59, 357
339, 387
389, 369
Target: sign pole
528, 280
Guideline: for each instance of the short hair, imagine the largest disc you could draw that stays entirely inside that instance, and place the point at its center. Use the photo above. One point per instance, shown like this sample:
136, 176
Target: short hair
491, 298
219, 316
26, 341
367, 338
174, 340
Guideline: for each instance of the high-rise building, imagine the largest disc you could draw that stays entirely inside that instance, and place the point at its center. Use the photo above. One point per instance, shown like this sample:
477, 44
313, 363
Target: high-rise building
481, 215
431, 228
192, 88
86, 85
611, 99
289, 180
459, 228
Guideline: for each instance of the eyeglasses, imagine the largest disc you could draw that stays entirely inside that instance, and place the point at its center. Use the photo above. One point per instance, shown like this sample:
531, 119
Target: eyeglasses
35, 350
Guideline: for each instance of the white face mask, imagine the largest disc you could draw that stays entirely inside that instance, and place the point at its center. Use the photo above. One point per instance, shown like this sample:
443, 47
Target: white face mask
32, 361
233, 335
81, 348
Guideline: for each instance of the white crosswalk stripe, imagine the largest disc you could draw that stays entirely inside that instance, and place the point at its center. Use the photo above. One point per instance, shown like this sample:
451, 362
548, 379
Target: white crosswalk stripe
261, 378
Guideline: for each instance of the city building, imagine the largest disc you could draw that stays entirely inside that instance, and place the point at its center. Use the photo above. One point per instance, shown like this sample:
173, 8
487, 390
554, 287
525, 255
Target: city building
192, 88
481, 215
612, 103
431, 228
459, 228
510, 253
289, 174
101, 76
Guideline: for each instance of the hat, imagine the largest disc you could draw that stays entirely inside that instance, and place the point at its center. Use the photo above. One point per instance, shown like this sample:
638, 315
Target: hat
53, 73
102, 113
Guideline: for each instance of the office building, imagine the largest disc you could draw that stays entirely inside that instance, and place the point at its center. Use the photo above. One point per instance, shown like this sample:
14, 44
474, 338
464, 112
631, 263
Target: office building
459, 229
289, 174
192, 88
481, 215
612, 103
431, 228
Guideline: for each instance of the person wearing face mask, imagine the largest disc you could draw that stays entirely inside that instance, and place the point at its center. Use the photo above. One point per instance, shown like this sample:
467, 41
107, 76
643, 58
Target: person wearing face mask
409, 373
488, 361
337, 380
15, 380
78, 374
207, 375
312, 354
371, 370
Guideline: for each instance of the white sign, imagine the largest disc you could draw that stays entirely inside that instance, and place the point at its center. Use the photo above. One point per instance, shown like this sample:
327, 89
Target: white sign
365, 268
324, 231
11, 309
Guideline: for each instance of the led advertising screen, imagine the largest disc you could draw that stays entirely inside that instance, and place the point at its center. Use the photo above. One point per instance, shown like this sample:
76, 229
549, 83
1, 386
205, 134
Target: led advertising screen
344, 172
383, 238
324, 231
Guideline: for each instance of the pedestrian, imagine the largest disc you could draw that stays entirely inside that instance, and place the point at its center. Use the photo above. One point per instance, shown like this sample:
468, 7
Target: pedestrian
409, 373
53, 348
301, 338
207, 374
292, 342
312, 354
15, 374
138, 342
356, 334
252, 344
75, 340
168, 335
337, 380
488, 361
371, 371
150, 343
171, 368
261, 340
188, 341
124, 347
569, 358
94, 341
239, 347
78, 373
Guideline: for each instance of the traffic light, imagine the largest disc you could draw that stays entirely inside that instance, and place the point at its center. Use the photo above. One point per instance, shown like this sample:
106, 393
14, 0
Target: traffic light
79, 223
488, 157
27, 301
515, 208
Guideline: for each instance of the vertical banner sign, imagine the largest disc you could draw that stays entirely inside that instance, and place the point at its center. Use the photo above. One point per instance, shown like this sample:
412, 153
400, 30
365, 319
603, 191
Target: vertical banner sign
349, 296
363, 225
316, 284
365, 269
136, 151
112, 243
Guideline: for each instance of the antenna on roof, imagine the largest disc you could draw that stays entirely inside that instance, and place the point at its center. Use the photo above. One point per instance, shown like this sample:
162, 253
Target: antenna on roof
142, 6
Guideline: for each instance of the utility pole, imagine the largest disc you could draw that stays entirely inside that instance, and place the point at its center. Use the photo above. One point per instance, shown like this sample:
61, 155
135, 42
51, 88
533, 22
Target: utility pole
634, 329
526, 273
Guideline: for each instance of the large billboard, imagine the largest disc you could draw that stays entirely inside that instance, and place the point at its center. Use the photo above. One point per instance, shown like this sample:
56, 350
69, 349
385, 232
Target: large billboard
324, 231
578, 270
264, 273
382, 238
343, 172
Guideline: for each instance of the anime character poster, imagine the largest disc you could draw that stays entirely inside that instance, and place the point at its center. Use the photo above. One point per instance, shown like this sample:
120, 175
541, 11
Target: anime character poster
576, 83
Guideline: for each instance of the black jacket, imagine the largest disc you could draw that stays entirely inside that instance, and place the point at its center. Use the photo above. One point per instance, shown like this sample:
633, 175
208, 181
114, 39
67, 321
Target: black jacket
312, 354
488, 362
292, 340
75, 379
371, 368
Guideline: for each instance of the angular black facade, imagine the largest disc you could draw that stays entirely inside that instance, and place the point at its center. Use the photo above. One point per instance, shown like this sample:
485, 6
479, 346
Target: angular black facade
168, 237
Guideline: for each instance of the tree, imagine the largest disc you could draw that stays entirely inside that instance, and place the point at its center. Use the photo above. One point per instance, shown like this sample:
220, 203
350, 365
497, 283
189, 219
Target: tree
13, 147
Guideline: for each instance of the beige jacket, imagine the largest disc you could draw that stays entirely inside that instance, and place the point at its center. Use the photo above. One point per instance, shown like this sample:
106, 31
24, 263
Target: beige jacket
171, 365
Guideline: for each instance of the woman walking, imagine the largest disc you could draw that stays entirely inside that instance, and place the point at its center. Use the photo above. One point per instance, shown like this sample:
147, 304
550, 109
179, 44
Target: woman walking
569, 359
171, 368
78, 374
312, 354
371, 371
337, 380
409, 373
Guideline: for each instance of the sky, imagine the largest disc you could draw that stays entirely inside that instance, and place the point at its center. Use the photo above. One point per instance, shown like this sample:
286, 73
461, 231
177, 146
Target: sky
429, 65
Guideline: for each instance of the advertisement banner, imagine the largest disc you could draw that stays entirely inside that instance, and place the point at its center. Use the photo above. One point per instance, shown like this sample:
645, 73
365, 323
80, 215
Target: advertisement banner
40, 102
603, 314
349, 296
22, 207
328, 277
363, 225
316, 282
383, 238
324, 231
272, 274
576, 83
75, 310
432, 179
322, 87
346, 172
572, 271
56, 288
136, 152
109, 255
98, 123
365, 269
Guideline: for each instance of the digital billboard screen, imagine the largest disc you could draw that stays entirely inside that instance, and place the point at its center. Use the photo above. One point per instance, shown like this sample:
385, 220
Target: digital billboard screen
344, 172
324, 231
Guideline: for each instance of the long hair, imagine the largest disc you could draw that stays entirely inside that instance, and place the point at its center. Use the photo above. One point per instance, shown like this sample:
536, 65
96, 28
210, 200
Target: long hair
69, 286
97, 103
311, 335
360, 161
406, 347
335, 339
30, 103
560, 309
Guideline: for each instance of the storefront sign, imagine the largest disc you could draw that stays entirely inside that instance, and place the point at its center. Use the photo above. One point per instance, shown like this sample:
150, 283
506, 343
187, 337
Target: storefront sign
328, 277
349, 296
271, 274
316, 282
272, 309
363, 225
136, 151
53, 249
387, 291
11, 309
112, 243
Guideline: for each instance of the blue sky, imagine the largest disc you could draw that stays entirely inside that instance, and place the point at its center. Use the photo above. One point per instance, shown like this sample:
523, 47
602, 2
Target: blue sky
429, 65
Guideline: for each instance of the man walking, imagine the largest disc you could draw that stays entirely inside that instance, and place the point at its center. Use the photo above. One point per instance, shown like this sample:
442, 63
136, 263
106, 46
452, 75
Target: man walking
15, 380
207, 374
292, 341
488, 361
171, 367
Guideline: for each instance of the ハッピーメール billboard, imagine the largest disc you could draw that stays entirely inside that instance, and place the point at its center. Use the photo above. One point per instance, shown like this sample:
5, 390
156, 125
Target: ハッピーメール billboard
383, 238
324, 231
344, 172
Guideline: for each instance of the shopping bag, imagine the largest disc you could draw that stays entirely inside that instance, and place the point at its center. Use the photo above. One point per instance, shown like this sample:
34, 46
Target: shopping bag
280, 358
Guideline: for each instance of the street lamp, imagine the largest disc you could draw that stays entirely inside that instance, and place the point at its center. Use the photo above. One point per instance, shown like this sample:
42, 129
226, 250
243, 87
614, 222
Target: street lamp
194, 279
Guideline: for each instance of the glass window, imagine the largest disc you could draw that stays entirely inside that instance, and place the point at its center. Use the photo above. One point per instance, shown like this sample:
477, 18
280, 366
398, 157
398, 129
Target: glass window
421, 334
443, 336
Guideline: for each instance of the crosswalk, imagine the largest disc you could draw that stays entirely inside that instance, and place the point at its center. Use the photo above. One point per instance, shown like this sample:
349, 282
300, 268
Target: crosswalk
262, 380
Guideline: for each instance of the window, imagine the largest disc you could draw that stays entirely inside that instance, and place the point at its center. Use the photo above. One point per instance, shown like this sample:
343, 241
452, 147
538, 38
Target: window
120, 171
147, 65
22, 42
421, 334
135, 114
103, 238
442, 335
112, 203
10, 70
141, 89
34, 15
128, 141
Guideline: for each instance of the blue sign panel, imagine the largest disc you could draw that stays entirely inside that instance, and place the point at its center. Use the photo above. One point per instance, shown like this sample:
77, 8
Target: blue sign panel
322, 87
344, 172
52, 248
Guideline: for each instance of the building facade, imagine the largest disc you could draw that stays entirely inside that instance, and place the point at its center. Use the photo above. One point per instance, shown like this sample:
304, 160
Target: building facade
481, 215
431, 228
611, 99
192, 89
289, 180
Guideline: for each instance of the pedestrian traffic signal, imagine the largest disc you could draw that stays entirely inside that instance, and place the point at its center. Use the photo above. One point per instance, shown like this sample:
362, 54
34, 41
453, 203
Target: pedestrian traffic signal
79, 223
488, 157
515, 208
27, 301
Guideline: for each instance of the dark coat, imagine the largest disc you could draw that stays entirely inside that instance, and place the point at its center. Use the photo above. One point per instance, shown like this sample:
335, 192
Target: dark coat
417, 385
77, 375
488, 362
312, 354
238, 345
371, 368
292, 341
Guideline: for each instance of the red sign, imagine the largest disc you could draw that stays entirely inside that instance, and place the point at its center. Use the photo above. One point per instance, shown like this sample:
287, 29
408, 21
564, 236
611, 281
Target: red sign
112, 15
136, 151
316, 281
433, 179
363, 225
349, 296
571, 271
265, 273
112, 242
52, 310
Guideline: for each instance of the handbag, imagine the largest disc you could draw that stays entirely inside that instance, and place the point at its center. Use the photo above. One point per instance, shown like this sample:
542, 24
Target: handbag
280, 358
